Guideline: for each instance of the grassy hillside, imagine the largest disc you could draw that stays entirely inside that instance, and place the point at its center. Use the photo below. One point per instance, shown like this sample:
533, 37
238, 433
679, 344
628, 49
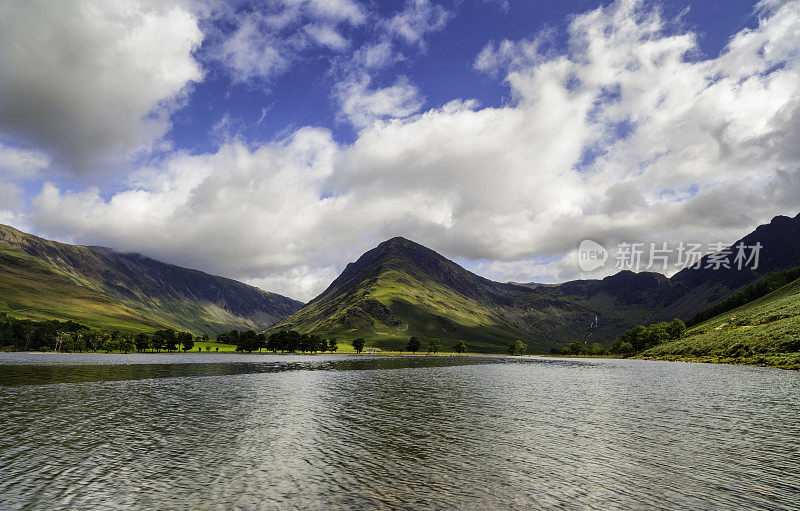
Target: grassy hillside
393, 301
765, 331
32, 290
99, 286
402, 289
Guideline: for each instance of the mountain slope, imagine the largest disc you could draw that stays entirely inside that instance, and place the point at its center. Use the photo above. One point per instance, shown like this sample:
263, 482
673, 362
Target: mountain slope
100, 286
764, 331
697, 289
401, 288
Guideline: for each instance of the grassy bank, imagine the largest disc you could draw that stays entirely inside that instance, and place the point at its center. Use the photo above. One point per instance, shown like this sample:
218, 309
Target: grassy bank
763, 332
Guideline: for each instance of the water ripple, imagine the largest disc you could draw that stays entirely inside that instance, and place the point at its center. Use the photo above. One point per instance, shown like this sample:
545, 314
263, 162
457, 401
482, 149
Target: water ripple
346, 433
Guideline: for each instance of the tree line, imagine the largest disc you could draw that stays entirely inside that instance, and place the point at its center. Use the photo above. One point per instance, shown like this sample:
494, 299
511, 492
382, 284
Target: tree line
634, 340
70, 336
283, 341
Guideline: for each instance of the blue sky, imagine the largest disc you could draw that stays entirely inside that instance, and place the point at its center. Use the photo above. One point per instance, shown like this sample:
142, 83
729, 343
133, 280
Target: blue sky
443, 69
275, 141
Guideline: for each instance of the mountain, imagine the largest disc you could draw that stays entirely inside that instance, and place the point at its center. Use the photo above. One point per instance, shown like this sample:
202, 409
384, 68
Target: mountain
102, 287
699, 288
401, 288
394, 291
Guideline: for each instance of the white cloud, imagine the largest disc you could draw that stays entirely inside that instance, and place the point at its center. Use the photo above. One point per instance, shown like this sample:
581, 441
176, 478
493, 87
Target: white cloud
418, 18
10, 203
335, 10
94, 82
249, 54
269, 38
501, 57
18, 163
361, 105
375, 56
623, 137
327, 35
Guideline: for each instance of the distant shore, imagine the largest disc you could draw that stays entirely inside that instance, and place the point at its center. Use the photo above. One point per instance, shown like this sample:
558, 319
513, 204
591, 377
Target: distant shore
786, 361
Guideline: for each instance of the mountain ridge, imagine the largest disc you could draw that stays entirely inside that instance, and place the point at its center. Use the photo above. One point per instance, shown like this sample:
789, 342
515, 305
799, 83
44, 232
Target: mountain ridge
379, 294
166, 294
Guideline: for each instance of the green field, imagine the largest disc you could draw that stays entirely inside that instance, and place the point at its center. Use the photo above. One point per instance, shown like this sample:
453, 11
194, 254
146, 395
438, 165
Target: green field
765, 331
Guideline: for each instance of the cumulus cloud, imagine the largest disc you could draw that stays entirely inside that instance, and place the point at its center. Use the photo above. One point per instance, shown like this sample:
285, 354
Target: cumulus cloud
19, 163
625, 135
94, 82
267, 39
215, 211
418, 18
362, 105
248, 54
375, 56
10, 204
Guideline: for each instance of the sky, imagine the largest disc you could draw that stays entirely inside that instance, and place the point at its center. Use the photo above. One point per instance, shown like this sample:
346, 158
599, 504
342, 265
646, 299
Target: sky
274, 142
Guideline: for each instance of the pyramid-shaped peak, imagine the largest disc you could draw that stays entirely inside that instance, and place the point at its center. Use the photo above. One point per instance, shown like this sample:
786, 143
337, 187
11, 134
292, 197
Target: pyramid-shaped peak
399, 241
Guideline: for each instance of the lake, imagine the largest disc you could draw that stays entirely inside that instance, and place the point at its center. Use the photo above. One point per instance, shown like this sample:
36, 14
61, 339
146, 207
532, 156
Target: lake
209, 431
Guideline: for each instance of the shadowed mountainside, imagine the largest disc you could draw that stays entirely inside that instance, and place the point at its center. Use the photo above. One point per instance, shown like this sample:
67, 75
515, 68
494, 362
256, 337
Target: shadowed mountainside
99, 286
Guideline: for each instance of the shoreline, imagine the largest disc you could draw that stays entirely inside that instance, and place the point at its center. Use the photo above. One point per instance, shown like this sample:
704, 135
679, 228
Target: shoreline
789, 362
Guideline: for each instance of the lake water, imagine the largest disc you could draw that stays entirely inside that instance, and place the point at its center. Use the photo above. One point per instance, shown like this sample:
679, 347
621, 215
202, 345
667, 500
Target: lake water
326, 432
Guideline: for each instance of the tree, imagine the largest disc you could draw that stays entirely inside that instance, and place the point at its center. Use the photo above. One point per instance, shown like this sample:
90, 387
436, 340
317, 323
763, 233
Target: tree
164, 340
95, 340
248, 341
622, 347
333, 344
305, 343
413, 345
518, 348
73, 342
109, 345
321, 344
186, 340
433, 346
142, 342
285, 340
358, 344
315, 344
170, 340
676, 329
598, 349
126, 344
460, 347
273, 342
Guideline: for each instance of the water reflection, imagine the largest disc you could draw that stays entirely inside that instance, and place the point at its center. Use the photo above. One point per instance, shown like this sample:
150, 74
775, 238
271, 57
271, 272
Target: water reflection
459, 434
38, 370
